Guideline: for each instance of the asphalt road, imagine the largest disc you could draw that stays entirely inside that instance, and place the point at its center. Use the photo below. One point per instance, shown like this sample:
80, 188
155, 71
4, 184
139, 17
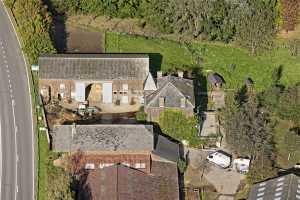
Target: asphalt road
16, 132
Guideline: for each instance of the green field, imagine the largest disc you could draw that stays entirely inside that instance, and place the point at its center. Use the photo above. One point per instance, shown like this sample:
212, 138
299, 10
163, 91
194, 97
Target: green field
218, 58
163, 53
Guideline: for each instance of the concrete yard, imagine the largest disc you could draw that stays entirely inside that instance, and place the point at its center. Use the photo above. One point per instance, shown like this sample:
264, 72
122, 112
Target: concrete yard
200, 173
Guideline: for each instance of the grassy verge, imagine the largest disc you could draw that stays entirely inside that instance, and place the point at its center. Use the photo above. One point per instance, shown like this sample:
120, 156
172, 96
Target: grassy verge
43, 146
234, 64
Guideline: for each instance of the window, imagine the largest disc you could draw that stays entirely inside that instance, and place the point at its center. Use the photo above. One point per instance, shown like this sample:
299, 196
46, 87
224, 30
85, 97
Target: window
108, 164
89, 166
278, 194
62, 86
262, 184
125, 87
126, 164
143, 165
280, 179
101, 166
140, 165
279, 184
260, 194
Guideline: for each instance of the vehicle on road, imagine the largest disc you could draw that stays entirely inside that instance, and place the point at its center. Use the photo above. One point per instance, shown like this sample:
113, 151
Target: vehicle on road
220, 158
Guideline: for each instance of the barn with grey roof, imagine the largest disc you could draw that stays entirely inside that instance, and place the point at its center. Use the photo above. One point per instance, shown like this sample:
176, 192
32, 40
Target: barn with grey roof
117, 138
100, 78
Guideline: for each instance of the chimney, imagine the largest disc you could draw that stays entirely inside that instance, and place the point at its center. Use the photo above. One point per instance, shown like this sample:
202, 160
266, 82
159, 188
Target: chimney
159, 74
73, 129
180, 74
183, 102
161, 102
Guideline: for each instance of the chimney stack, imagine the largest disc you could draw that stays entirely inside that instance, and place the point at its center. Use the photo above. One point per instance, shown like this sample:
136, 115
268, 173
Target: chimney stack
159, 74
161, 102
180, 74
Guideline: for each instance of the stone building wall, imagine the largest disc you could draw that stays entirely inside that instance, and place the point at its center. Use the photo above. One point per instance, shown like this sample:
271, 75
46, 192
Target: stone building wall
53, 88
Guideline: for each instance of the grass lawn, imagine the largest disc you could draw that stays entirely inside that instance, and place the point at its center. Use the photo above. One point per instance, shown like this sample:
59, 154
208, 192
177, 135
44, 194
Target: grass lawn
282, 154
164, 54
216, 57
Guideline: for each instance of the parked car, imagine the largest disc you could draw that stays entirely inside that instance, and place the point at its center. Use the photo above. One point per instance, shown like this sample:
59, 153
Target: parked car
241, 165
220, 158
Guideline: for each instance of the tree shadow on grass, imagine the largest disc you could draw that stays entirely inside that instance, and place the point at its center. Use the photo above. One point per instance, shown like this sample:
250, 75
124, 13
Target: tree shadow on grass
155, 62
200, 90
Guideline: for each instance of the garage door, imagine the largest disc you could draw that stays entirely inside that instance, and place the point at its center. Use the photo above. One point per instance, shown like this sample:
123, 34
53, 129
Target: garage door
79, 92
124, 99
107, 92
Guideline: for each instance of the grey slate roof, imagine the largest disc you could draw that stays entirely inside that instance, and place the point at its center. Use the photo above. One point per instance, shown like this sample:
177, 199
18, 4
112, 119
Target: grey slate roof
279, 188
113, 137
94, 66
215, 78
71, 138
173, 89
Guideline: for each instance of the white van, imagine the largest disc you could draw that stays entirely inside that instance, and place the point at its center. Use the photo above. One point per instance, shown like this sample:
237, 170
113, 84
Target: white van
219, 158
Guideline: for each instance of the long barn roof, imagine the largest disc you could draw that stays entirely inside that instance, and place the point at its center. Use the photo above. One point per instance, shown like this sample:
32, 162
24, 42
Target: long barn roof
94, 66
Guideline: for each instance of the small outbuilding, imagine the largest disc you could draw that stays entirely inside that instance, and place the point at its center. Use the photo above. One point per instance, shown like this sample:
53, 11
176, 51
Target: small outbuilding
249, 82
215, 79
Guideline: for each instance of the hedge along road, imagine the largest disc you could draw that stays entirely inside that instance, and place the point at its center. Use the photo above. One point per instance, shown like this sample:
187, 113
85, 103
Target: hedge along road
17, 140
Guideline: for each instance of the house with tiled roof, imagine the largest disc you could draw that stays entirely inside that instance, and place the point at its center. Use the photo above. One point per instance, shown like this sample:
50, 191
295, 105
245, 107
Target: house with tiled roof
120, 182
173, 92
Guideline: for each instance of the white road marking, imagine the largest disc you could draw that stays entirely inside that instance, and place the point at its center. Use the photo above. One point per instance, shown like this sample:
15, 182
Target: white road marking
16, 149
0, 158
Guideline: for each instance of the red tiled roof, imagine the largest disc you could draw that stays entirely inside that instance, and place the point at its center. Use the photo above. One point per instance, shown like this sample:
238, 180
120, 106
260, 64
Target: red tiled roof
119, 182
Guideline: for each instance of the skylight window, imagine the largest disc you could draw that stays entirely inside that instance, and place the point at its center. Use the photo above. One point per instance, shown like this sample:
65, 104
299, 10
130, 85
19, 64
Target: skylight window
260, 194
278, 194
280, 179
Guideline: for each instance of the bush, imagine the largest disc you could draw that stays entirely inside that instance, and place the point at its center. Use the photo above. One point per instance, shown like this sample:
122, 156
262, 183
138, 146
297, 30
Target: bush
175, 124
34, 26
141, 115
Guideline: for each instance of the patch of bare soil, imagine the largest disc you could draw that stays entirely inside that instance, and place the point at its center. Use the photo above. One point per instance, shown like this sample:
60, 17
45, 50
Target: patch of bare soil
287, 35
56, 114
71, 39
83, 41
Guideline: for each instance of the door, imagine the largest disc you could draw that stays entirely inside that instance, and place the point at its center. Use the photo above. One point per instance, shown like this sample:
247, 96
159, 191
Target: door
79, 92
124, 99
107, 92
